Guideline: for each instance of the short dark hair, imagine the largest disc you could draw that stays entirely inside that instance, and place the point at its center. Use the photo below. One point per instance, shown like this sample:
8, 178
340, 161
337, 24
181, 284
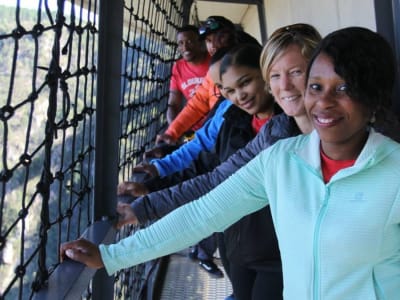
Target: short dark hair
188, 28
365, 60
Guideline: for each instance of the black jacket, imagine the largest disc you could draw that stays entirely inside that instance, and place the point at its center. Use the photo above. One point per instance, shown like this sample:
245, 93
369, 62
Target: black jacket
235, 133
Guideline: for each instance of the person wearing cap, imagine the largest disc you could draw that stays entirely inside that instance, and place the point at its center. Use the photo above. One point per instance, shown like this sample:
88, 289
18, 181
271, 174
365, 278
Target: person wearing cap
218, 32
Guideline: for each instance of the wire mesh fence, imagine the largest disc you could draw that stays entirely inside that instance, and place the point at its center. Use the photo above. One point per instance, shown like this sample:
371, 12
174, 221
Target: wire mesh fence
48, 99
47, 113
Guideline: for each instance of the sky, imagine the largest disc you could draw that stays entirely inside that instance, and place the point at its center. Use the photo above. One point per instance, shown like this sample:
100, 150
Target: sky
33, 4
28, 3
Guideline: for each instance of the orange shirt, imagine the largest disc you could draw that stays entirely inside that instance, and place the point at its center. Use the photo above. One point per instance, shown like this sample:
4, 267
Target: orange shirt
197, 107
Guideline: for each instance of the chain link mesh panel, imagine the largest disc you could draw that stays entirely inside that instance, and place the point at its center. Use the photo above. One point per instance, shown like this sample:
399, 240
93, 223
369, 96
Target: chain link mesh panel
47, 122
48, 77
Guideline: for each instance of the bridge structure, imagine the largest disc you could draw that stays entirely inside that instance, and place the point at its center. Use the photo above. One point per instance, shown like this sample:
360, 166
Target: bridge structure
83, 93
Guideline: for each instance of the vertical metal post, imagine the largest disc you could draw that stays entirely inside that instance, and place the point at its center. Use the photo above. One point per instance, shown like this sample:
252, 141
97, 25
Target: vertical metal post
107, 124
387, 15
186, 11
262, 21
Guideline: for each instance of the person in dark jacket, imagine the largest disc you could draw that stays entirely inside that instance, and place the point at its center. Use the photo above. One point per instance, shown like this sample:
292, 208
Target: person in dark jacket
243, 83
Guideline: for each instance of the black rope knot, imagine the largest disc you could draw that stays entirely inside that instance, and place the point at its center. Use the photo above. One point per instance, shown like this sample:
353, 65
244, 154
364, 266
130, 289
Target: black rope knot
37, 30
59, 176
92, 28
6, 175
20, 271
84, 71
18, 32
23, 213
79, 30
25, 159
33, 96
88, 111
66, 74
6, 112
53, 76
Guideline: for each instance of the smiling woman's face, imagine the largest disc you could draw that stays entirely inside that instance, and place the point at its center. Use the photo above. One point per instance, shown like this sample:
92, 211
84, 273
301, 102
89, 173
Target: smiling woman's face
245, 87
340, 120
287, 80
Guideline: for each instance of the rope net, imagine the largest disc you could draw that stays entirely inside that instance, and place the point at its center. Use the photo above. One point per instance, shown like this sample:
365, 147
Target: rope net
48, 83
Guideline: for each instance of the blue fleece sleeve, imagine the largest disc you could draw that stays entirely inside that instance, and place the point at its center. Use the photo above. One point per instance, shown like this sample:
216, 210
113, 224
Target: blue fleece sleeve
204, 140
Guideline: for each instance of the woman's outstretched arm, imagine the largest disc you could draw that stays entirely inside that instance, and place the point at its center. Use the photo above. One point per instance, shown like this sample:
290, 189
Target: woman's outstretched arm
242, 194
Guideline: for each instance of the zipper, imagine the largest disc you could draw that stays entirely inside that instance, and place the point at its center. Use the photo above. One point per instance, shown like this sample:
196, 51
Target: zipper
316, 244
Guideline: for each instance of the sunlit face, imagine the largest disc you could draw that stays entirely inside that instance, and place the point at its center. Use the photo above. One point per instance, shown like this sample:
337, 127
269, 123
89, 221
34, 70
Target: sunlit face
245, 87
216, 40
287, 80
339, 119
189, 45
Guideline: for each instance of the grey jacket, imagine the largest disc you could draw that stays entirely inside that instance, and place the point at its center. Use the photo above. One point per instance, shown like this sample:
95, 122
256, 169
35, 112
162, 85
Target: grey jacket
157, 204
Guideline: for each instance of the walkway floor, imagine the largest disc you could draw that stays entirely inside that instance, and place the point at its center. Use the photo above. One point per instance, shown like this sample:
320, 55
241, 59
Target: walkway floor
185, 280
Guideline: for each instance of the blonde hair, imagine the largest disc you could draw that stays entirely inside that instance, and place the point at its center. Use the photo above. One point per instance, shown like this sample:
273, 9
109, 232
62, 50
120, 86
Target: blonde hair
303, 35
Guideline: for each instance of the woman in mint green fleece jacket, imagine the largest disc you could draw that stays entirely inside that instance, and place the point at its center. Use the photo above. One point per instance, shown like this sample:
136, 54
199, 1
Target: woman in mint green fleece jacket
334, 194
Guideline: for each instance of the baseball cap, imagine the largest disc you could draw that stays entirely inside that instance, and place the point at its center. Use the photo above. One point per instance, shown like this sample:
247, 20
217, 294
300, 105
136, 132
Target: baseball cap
213, 24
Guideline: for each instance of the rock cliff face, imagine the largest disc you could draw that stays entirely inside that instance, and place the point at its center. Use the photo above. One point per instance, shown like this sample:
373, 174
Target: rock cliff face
27, 43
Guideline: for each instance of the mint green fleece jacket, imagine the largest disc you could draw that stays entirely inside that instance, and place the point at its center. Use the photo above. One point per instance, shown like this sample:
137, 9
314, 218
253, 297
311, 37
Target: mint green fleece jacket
338, 241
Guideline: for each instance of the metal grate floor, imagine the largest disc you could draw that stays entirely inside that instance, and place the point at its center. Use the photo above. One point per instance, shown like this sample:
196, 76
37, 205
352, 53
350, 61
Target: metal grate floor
185, 280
